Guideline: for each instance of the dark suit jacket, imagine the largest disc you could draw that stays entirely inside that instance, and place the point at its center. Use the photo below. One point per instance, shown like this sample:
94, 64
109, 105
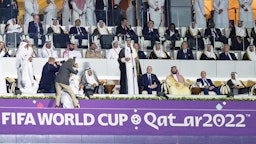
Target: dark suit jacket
121, 30
65, 70
74, 31
150, 35
208, 32
145, 81
33, 30
141, 55
223, 56
175, 36
202, 82
182, 55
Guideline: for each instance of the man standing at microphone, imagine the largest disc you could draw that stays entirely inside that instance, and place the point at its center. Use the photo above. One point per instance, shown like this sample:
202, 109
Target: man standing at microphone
129, 68
62, 81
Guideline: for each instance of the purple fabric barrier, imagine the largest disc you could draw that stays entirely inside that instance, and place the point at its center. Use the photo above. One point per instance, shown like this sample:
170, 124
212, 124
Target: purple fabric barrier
134, 117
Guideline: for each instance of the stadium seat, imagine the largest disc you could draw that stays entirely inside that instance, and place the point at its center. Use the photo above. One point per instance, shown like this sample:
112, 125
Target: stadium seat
83, 52
178, 42
227, 32
183, 31
202, 31
218, 45
139, 31
2, 28
175, 52
25, 29
92, 29
161, 31
112, 30
198, 55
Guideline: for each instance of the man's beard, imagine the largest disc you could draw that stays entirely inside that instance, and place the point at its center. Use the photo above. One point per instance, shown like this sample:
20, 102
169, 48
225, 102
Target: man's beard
174, 72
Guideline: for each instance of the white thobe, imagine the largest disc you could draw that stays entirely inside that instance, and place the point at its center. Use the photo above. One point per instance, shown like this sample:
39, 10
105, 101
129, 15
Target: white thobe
66, 99
199, 13
65, 14
156, 16
131, 72
113, 53
51, 12
72, 54
26, 81
46, 53
246, 16
91, 16
130, 14
31, 6
2, 80
221, 20
76, 14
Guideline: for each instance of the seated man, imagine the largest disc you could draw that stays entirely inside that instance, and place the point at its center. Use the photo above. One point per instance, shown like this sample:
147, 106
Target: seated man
207, 84
177, 83
226, 54
185, 52
72, 51
48, 51
124, 30
36, 31
150, 82
13, 29
93, 52
3, 50
208, 53
214, 34
158, 52
149, 33
101, 29
141, 54
172, 34
239, 35
113, 53
236, 86
60, 38
47, 82
194, 37
79, 32
90, 82
250, 53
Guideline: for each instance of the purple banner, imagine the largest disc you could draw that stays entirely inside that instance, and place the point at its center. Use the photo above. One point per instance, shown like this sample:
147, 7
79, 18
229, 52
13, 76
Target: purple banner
124, 117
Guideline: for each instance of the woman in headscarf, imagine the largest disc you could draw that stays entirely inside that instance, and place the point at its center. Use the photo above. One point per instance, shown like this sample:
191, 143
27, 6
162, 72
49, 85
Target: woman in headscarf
50, 12
79, 11
12, 29
177, 83
71, 51
208, 53
239, 35
193, 35
114, 52
60, 38
26, 82
3, 50
158, 52
90, 82
250, 53
48, 51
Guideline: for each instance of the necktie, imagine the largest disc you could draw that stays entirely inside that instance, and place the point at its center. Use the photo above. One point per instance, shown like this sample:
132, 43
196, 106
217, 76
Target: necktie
149, 79
206, 82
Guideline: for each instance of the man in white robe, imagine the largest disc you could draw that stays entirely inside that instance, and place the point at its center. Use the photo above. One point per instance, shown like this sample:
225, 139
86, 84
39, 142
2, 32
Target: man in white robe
79, 11
31, 8
48, 51
128, 68
130, 13
50, 12
200, 16
12, 29
221, 18
71, 51
66, 14
114, 51
90, 12
156, 8
26, 82
245, 13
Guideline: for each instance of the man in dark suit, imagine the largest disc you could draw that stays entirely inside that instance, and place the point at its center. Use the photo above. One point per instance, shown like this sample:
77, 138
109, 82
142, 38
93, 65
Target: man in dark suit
124, 30
47, 82
149, 33
150, 82
35, 30
214, 33
207, 84
79, 32
140, 53
62, 81
185, 52
226, 54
